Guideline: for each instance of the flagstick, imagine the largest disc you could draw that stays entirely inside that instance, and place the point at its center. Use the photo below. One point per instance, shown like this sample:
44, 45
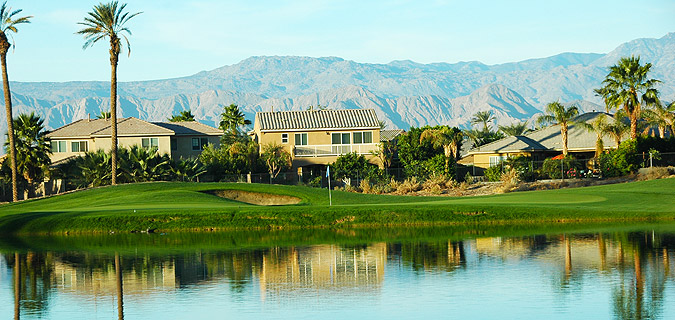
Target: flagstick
330, 199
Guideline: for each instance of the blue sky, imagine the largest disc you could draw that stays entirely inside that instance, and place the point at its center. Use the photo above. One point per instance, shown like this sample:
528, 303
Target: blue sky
179, 38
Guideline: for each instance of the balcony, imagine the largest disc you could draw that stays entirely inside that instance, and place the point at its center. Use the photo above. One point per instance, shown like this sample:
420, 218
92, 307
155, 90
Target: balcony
328, 150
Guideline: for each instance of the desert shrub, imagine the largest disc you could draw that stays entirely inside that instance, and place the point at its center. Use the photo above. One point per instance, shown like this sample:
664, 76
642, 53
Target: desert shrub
653, 173
365, 186
435, 180
409, 185
494, 173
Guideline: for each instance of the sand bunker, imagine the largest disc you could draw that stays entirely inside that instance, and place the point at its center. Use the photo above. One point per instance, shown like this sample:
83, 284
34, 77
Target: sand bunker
261, 199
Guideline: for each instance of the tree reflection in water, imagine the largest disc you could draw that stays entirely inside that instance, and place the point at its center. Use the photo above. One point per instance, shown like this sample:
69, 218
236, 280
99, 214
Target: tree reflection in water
639, 260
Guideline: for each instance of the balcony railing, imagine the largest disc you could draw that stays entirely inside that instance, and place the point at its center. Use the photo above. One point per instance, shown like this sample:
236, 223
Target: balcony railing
333, 149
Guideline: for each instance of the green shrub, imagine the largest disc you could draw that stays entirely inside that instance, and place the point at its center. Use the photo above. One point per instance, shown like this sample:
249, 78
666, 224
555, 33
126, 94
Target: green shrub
621, 161
552, 169
495, 172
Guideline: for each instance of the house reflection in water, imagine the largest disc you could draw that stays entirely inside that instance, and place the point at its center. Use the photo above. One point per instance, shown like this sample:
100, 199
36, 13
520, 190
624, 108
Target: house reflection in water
324, 267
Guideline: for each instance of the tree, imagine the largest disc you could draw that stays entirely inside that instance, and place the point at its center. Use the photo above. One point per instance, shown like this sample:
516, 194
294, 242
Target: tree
627, 87
8, 23
232, 119
185, 115
617, 128
599, 126
32, 147
450, 139
107, 21
515, 129
482, 137
662, 117
103, 115
558, 114
484, 118
276, 158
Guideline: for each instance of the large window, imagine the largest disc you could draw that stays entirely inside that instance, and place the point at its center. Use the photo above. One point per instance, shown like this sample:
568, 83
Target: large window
363, 137
79, 146
340, 138
58, 146
149, 143
199, 143
300, 139
495, 160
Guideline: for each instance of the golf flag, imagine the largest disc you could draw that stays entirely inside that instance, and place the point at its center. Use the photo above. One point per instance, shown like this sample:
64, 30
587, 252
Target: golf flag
328, 172
330, 198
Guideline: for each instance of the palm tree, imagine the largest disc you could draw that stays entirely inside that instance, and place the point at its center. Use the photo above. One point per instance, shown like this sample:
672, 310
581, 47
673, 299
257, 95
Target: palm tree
483, 117
450, 139
32, 146
232, 119
107, 21
185, 115
103, 115
515, 129
617, 128
557, 113
599, 126
662, 117
8, 23
627, 87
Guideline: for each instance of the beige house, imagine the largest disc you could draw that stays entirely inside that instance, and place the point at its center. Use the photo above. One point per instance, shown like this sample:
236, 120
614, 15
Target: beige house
177, 139
318, 137
541, 144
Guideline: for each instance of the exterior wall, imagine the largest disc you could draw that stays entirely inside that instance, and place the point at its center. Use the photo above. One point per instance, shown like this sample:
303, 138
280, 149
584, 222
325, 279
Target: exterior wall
482, 160
184, 146
183, 143
58, 156
314, 138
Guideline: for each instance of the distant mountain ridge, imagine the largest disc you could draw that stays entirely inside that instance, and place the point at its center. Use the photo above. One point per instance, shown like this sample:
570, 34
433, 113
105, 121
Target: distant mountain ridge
403, 93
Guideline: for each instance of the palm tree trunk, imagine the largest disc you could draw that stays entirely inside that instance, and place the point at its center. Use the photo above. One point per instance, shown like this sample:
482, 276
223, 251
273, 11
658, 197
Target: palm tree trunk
563, 132
10, 127
113, 116
633, 124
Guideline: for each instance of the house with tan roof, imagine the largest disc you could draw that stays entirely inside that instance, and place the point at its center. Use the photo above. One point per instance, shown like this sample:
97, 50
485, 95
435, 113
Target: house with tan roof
541, 144
177, 139
318, 137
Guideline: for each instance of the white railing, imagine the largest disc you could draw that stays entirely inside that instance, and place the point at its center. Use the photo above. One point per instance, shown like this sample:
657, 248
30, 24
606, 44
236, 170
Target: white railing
333, 149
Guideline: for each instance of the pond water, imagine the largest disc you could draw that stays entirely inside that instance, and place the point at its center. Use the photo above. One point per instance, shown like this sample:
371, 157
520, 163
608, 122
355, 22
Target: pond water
612, 274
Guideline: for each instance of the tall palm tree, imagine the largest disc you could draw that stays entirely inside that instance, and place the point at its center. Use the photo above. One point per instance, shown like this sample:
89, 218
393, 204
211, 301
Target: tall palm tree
484, 118
107, 21
617, 129
8, 23
627, 87
515, 129
599, 126
232, 119
450, 139
557, 113
185, 115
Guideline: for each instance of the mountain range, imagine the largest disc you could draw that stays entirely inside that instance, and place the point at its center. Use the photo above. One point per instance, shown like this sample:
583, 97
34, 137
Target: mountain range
403, 93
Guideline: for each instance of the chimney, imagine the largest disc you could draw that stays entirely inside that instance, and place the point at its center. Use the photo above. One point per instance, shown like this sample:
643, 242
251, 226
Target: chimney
88, 117
272, 108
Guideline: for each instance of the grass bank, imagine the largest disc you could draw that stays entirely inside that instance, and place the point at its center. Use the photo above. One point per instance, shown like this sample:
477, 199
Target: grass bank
176, 206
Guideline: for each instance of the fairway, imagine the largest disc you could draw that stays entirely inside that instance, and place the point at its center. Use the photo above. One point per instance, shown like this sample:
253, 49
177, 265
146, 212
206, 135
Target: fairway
190, 206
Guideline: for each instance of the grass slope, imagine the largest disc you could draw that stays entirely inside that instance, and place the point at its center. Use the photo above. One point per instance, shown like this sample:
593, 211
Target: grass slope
185, 206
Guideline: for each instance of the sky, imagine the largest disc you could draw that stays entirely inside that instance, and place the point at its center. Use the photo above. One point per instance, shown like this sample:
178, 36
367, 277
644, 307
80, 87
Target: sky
174, 38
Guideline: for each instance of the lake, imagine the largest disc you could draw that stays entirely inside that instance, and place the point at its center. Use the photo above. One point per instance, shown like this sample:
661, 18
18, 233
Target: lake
551, 272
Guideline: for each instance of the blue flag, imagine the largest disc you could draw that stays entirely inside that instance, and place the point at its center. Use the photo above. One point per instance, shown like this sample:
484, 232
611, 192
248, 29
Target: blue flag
328, 172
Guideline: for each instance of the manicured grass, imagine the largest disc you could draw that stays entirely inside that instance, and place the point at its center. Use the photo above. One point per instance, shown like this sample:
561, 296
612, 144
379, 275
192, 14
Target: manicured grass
185, 206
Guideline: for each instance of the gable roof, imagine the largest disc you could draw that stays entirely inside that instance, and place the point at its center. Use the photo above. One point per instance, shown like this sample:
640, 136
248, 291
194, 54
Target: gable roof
317, 120
87, 128
388, 135
549, 139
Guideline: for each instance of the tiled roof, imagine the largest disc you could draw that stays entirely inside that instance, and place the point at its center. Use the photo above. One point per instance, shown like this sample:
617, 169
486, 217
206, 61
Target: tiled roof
130, 127
579, 138
388, 135
189, 128
315, 120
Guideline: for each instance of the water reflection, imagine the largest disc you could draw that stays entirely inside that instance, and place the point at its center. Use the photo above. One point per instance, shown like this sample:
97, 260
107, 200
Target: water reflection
636, 265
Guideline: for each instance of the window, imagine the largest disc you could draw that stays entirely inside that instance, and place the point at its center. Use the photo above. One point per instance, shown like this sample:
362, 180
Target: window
149, 143
284, 138
340, 138
363, 137
495, 160
58, 146
300, 139
199, 143
78, 146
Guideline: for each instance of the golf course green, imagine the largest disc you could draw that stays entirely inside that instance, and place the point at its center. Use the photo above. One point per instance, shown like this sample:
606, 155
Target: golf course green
174, 206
